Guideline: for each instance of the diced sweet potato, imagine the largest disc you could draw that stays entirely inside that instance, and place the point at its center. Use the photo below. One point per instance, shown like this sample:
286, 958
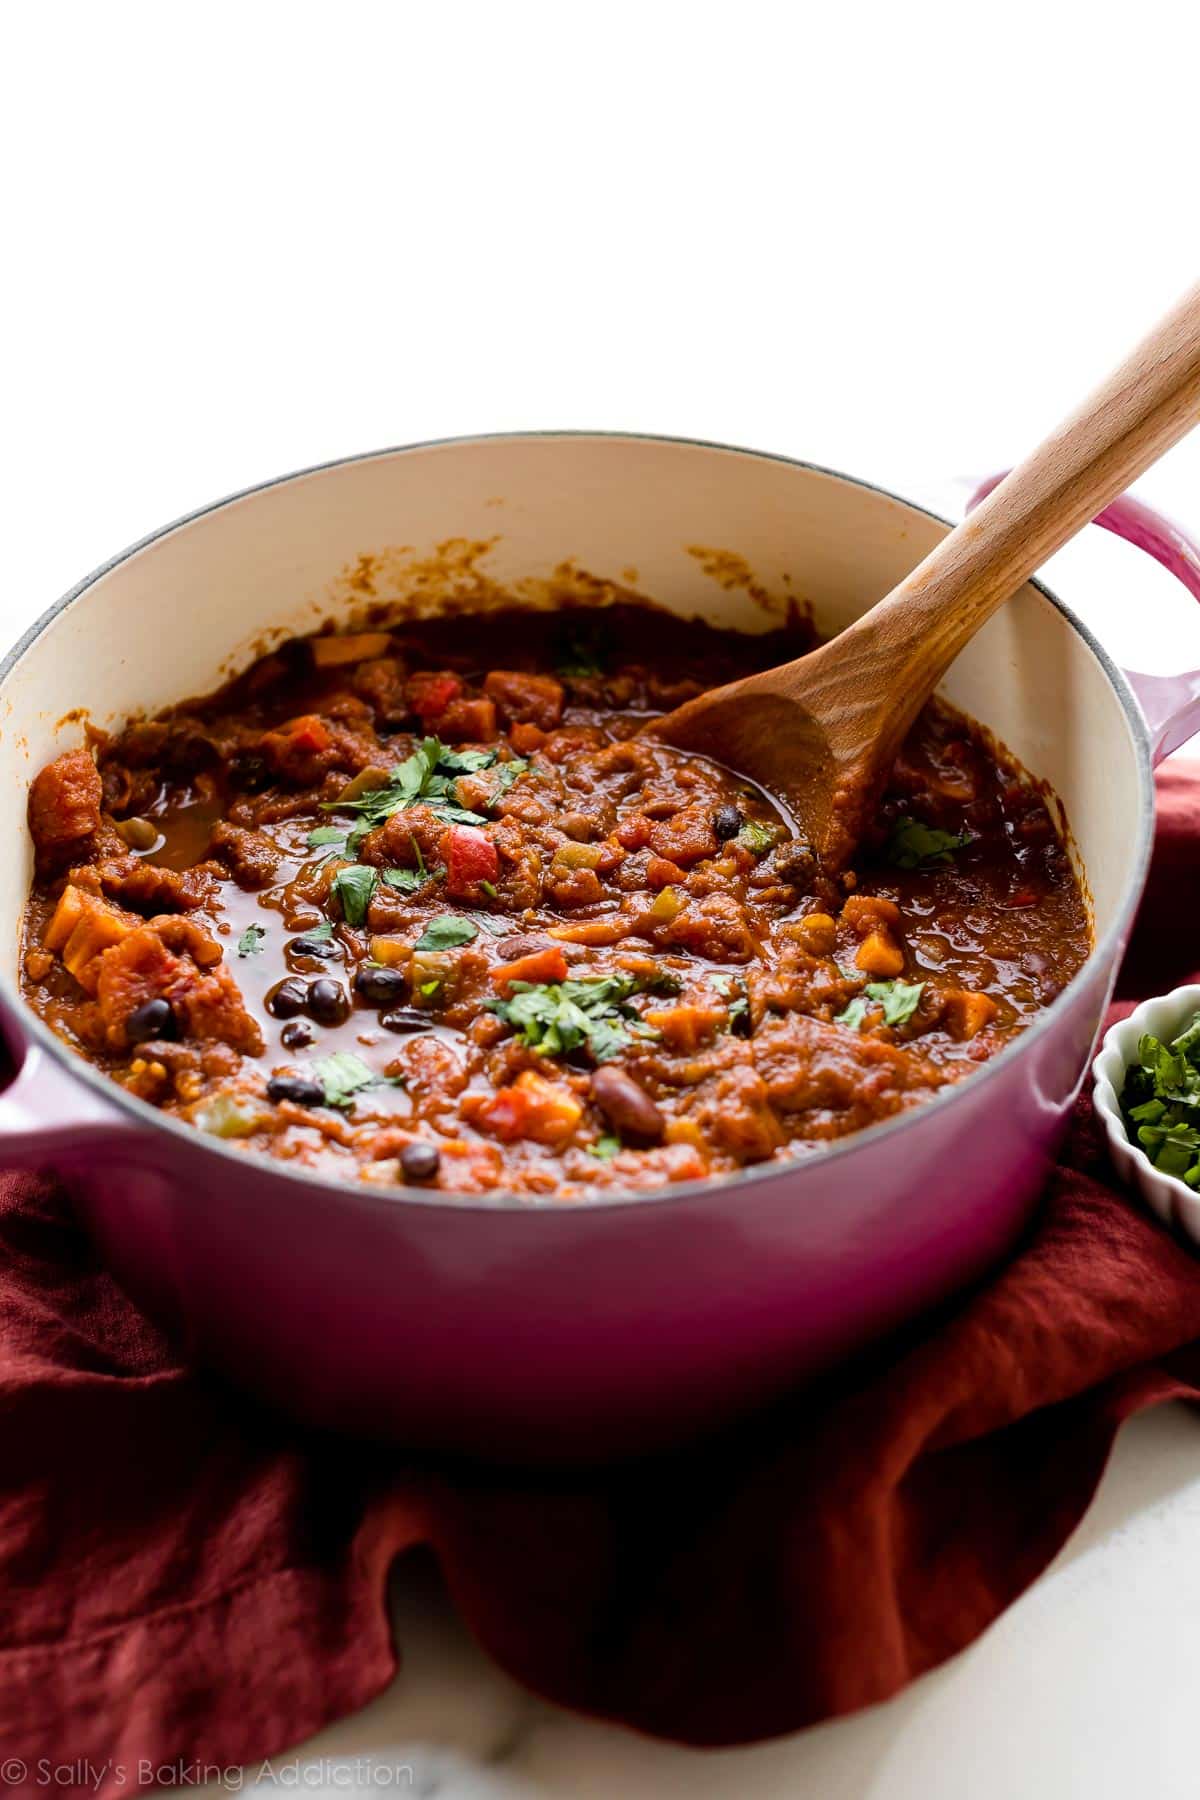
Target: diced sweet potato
64, 807
92, 928
880, 956
532, 1107
816, 933
468, 722
65, 918
685, 1028
965, 1013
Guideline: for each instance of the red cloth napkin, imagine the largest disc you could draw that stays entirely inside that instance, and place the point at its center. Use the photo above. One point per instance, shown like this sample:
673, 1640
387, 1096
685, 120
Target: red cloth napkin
185, 1578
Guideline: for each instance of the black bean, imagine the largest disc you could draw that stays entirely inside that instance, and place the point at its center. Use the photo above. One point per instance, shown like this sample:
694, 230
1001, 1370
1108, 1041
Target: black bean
287, 998
314, 946
153, 1019
298, 1035
727, 822
301, 1089
328, 1002
405, 1018
420, 1162
380, 986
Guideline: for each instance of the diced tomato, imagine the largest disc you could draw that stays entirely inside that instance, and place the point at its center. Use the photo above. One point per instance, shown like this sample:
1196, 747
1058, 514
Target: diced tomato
470, 858
542, 965
429, 694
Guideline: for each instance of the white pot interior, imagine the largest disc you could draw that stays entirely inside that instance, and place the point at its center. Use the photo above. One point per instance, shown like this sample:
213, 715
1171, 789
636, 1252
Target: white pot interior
183, 612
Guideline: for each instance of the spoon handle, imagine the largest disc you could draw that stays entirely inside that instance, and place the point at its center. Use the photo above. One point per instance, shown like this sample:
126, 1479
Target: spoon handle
1144, 407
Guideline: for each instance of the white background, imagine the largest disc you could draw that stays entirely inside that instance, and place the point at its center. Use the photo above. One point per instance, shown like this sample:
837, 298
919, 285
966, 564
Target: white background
900, 240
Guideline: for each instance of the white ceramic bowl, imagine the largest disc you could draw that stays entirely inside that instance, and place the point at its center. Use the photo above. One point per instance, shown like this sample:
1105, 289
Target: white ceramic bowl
1163, 1017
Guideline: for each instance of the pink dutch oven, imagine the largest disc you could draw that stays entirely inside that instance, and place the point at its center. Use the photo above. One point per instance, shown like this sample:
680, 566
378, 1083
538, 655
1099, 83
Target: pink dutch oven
540, 1328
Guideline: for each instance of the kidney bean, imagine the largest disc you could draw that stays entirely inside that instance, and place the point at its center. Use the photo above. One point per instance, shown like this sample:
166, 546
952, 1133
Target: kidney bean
627, 1107
405, 1018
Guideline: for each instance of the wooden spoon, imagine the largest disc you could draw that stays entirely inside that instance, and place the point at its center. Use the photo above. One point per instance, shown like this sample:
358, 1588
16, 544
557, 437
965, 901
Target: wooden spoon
822, 732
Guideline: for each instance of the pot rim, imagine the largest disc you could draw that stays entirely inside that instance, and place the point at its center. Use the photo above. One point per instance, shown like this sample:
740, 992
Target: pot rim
27, 1024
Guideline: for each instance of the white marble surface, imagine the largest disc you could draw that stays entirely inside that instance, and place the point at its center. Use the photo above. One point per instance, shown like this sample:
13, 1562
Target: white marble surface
1085, 1688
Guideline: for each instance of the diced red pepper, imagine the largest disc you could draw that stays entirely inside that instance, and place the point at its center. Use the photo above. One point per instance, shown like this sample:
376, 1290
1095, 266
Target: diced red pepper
429, 694
470, 858
542, 965
307, 733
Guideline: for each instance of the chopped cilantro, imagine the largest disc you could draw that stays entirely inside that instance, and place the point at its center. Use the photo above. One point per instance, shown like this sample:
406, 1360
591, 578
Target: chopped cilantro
343, 1075
447, 933
605, 1147
661, 981
912, 845
321, 933
465, 762
496, 927
506, 773
424, 778
353, 886
733, 991
251, 941
557, 1017
899, 1000
1161, 1102
406, 881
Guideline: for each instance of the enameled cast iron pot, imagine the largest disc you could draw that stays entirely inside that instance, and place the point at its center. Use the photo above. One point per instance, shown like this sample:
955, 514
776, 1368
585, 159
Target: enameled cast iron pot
540, 1328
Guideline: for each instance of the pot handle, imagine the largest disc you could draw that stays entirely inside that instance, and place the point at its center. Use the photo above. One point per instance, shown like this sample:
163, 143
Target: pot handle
1171, 703
47, 1119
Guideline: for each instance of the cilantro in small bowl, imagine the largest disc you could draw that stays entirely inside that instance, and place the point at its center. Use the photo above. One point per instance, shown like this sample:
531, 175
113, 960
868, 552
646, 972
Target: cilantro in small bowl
1146, 1093
1161, 1101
